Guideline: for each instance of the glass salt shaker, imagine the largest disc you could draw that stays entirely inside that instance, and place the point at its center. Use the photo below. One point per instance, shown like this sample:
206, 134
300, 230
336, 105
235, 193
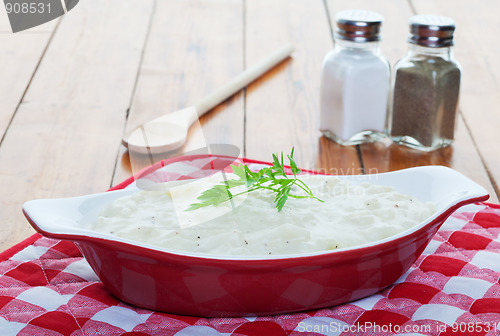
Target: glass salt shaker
426, 86
355, 81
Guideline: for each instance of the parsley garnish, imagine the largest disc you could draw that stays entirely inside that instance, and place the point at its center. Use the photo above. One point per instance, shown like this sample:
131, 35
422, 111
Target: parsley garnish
271, 178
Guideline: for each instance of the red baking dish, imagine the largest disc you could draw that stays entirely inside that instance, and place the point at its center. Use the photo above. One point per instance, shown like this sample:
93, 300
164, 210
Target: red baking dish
207, 285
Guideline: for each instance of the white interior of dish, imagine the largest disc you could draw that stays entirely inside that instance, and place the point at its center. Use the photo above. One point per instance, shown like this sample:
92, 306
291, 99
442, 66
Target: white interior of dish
440, 185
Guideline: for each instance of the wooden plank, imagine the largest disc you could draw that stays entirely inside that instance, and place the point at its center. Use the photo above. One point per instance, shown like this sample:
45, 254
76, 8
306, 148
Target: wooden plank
477, 52
187, 56
282, 108
19, 57
65, 135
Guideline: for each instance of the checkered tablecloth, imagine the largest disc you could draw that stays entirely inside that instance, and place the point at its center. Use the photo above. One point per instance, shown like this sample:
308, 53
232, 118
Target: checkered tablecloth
47, 288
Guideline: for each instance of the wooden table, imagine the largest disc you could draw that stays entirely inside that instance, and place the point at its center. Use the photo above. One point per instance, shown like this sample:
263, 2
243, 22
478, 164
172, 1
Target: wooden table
70, 88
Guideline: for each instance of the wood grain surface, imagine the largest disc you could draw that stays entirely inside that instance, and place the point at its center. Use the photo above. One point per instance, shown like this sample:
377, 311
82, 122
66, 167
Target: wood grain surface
282, 107
71, 88
64, 137
185, 59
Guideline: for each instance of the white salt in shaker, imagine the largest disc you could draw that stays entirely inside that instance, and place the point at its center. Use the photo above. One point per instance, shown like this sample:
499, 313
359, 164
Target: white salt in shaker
355, 81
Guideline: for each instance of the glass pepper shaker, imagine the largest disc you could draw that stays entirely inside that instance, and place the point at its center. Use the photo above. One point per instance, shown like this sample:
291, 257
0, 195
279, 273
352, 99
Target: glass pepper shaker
426, 86
355, 81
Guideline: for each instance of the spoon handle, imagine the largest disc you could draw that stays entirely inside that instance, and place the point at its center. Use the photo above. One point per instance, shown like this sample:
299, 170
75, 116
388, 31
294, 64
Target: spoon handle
243, 79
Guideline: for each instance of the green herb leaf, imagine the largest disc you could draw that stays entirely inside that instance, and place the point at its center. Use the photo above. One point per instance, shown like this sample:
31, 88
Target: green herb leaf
271, 178
214, 196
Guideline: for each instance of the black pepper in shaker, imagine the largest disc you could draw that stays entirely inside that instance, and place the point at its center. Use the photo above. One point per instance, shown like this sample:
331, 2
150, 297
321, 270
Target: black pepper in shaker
426, 86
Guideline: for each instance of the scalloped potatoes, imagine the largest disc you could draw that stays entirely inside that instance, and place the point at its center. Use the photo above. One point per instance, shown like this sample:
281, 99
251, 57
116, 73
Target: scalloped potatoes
251, 226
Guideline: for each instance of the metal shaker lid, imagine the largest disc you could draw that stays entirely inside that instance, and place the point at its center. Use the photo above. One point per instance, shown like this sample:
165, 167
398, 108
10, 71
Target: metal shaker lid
431, 31
358, 25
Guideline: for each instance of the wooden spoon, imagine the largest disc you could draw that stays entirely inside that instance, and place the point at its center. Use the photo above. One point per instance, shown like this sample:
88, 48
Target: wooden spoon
169, 131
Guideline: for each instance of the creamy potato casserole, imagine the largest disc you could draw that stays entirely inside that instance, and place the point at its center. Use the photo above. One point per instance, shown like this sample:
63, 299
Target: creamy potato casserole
251, 226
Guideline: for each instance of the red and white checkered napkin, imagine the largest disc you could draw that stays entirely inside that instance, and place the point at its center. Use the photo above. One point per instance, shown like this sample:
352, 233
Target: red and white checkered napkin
47, 288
